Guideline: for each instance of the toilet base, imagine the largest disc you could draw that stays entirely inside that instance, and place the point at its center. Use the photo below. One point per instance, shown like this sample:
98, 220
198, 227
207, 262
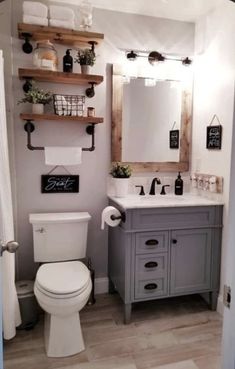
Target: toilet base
63, 335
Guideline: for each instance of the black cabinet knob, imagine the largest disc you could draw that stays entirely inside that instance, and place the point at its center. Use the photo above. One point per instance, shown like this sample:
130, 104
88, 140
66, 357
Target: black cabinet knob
174, 241
151, 264
151, 286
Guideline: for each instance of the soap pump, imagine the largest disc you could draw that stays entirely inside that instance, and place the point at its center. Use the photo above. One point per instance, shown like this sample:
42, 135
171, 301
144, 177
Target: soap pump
179, 184
68, 62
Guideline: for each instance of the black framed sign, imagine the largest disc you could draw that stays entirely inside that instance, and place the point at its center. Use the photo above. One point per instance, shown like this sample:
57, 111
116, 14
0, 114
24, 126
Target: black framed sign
214, 137
59, 183
174, 138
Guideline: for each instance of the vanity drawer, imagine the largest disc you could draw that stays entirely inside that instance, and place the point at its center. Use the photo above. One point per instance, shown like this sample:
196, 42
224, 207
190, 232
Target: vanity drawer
151, 288
151, 266
149, 242
173, 217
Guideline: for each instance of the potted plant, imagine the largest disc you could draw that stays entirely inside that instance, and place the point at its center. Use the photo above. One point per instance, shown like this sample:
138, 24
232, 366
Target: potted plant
121, 174
86, 58
38, 98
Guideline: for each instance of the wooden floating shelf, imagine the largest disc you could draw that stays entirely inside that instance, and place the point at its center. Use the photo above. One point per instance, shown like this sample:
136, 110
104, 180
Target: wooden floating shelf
39, 117
59, 77
59, 35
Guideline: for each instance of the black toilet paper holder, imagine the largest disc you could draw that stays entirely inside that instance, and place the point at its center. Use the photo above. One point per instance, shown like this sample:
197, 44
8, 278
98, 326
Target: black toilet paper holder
122, 216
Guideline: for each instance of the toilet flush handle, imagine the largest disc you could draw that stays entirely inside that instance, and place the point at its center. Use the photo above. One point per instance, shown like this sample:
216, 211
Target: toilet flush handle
40, 230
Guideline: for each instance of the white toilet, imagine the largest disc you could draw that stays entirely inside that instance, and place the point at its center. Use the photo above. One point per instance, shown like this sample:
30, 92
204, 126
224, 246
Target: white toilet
63, 285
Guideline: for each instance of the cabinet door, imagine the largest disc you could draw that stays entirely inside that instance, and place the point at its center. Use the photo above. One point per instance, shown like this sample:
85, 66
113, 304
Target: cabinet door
190, 261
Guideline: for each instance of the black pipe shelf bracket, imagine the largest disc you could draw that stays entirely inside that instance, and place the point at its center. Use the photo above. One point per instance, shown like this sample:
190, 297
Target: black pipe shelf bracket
27, 46
30, 128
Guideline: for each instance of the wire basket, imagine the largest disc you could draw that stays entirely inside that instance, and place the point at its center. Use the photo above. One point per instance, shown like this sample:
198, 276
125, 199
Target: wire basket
69, 105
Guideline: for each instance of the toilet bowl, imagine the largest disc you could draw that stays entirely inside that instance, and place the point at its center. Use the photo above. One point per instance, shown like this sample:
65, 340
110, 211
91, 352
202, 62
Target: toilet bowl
62, 289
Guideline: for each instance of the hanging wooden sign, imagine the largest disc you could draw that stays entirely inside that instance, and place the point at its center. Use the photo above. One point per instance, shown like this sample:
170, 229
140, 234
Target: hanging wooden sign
174, 139
59, 183
214, 135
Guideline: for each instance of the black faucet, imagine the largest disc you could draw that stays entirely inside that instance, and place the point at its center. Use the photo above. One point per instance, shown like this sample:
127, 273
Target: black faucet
152, 188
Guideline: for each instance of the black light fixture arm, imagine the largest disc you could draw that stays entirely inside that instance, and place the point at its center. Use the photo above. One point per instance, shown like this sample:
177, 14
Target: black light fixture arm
30, 128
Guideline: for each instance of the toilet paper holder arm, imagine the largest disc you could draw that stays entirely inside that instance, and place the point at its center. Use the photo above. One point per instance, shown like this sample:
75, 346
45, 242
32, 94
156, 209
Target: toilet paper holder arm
117, 217
29, 128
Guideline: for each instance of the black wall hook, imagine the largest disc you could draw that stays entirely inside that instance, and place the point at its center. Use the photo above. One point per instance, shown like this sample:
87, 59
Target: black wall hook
27, 47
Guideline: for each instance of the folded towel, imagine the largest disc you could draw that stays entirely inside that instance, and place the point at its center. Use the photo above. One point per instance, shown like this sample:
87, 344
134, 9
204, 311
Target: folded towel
61, 13
59, 155
35, 8
30, 19
62, 24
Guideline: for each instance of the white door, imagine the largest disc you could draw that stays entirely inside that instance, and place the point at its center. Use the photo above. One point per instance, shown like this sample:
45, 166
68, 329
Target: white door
9, 305
228, 342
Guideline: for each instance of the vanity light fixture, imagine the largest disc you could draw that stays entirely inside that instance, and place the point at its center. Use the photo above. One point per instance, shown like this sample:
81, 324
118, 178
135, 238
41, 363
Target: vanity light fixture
186, 61
154, 57
131, 55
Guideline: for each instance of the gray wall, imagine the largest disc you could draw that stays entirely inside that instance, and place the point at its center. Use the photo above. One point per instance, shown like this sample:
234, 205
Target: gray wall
121, 31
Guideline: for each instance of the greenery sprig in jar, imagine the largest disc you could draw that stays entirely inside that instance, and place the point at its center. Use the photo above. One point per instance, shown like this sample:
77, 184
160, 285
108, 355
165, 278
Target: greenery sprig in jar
121, 174
38, 98
86, 58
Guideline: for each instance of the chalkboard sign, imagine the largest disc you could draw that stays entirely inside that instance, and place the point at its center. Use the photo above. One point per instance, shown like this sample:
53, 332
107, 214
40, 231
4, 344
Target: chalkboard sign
174, 139
59, 183
214, 137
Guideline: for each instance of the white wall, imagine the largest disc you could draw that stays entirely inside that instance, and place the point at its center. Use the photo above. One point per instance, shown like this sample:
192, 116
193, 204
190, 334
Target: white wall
214, 94
121, 31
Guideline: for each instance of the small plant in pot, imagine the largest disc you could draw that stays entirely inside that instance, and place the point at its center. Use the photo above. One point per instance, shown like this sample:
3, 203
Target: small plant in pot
38, 98
121, 174
86, 58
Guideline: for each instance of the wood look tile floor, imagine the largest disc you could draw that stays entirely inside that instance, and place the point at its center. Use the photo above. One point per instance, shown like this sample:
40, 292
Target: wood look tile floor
179, 333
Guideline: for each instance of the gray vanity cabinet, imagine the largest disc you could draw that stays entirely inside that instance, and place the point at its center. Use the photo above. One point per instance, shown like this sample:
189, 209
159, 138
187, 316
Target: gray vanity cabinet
164, 252
190, 261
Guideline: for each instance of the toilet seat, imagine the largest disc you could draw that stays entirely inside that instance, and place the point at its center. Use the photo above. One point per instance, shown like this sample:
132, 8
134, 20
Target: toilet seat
63, 280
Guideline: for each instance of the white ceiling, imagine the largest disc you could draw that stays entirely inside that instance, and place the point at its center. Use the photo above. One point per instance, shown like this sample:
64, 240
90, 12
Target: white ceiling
184, 10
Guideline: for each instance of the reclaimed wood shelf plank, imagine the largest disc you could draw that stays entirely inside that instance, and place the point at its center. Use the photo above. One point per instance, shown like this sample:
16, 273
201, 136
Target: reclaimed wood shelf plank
40, 117
41, 75
59, 35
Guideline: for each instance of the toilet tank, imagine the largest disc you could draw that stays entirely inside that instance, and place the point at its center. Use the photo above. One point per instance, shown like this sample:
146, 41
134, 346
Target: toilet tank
59, 236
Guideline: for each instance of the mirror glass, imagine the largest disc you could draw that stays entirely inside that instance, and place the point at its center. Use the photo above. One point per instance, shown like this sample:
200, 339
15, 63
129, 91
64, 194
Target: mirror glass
151, 121
151, 109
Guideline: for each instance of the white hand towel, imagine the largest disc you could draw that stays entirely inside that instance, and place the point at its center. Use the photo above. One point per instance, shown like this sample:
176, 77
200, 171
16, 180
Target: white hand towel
61, 13
30, 19
62, 24
59, 155
35, 8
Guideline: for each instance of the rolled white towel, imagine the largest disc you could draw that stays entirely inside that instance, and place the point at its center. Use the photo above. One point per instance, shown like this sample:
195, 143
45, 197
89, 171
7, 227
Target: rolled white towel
30, 19
35, 8
62, 24
61, 13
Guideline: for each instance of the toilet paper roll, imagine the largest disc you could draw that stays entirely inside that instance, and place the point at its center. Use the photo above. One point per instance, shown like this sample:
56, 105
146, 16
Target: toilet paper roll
106, 217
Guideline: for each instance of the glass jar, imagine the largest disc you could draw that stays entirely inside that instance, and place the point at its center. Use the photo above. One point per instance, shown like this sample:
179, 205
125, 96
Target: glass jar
45, 56
85, 9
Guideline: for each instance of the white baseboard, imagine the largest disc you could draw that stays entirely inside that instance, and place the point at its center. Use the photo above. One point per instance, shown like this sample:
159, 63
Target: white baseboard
220, 305
101, 285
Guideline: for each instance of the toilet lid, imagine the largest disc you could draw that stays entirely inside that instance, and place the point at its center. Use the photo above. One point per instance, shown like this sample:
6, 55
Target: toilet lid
63, 278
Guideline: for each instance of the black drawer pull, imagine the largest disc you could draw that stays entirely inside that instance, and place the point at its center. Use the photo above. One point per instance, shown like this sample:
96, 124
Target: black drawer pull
174, 241
150, 286
151, 264
151, 242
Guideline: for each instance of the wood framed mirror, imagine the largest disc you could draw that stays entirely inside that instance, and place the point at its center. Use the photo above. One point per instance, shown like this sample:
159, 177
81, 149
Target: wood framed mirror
137, 133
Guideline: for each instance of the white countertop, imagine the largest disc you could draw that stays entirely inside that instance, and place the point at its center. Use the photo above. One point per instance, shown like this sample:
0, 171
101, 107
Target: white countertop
162, 201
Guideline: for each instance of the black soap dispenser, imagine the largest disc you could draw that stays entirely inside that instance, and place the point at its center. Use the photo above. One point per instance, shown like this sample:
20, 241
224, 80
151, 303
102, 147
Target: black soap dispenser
179, 185
68, 62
